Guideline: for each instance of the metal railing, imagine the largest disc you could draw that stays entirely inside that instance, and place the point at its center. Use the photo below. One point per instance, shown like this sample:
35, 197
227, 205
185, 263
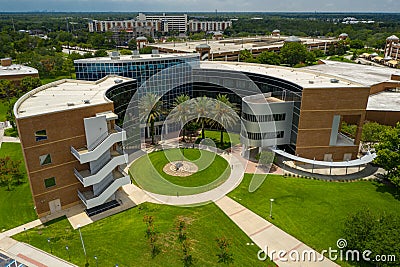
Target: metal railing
78, 175
74, 152
98, 141
82, 197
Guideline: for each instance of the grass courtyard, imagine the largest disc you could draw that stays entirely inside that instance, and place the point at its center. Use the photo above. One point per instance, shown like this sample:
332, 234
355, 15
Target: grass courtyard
16, 206
148, 173
123, 241
314, 211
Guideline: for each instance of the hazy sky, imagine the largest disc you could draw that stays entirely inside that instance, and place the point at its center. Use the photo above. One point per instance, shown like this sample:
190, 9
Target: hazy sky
202, 5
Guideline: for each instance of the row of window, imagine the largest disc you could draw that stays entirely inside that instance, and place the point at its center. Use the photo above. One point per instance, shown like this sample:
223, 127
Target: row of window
264, 118
264, 136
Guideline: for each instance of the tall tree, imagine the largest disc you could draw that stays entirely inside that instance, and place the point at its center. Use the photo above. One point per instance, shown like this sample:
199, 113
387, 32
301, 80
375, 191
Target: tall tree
7, 90
202, 108
10, 172
388, 151
224, 114
29, 83
293, 53
150, 108
181, 111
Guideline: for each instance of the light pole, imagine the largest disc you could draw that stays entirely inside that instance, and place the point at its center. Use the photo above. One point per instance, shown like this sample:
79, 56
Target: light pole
95, 258
270, 210
83, 244
51, 247
69, 255
26, 233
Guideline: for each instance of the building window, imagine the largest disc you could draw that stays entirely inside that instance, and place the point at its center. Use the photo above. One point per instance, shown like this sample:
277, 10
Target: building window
40, 135
45, 159
49, 182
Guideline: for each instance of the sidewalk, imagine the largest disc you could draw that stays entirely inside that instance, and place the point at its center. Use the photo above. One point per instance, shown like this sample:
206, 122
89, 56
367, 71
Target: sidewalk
33, 256
266, 235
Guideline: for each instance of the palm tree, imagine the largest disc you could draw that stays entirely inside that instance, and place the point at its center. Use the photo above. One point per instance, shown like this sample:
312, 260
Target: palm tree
181, 111
225, 114
202, 108
150, 109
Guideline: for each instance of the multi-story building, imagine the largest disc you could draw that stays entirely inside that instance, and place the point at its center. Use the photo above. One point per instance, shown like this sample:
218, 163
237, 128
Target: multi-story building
70, 144
207, 26
136, 27
71, 131
15, 73
177, 23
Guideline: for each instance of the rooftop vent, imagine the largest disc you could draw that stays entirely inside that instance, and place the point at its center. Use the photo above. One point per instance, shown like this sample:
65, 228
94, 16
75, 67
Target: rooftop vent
334, 81
86, 101
136, 54
155, 53
115, 55
70, 104
118, 81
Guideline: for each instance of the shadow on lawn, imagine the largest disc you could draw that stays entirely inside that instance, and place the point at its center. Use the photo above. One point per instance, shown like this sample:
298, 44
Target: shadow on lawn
385, 186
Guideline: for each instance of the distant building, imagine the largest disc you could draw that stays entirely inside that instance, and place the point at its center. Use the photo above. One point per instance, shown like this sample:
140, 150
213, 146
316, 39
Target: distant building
142, 25
276, 33
205, 26
15, 73
168, 22
343, 36
133, 27
392, 48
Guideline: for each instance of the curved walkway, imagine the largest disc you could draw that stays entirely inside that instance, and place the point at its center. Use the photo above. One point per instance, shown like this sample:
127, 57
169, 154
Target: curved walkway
235, 178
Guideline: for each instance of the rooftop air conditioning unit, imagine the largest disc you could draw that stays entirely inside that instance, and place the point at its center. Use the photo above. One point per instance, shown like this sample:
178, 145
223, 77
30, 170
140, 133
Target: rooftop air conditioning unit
86, 101
334, 81
118, 81
70, 104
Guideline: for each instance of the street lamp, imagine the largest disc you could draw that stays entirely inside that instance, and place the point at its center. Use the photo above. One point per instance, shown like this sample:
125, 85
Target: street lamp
95, 258
26, 233
83, 244
270, 210
51, 247
69, 255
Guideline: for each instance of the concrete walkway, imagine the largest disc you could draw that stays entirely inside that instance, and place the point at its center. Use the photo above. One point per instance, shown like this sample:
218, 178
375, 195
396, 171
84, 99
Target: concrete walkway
268, 237
30, 255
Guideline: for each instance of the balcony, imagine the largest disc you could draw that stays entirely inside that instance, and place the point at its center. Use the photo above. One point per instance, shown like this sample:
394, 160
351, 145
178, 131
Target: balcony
101, 145
120, 178
88, 179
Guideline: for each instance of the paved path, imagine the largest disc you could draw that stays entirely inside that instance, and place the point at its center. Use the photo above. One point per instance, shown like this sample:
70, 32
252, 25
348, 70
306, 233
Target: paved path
31, 255
267, 236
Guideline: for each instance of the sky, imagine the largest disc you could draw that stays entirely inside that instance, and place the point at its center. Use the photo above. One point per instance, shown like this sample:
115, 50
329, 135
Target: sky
201, 5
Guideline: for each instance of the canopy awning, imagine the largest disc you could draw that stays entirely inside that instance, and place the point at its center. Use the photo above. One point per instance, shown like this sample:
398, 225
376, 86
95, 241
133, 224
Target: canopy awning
368, 158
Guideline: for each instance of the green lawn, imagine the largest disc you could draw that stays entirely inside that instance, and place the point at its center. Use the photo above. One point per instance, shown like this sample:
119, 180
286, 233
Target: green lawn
120, 239
16, 206
148, 172
314, 211
216, 137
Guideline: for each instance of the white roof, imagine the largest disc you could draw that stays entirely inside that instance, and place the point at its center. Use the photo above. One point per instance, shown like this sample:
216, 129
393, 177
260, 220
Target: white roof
384, 101
17, 70
237, 44
64, 95
363, 74
302, 77
130, 58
